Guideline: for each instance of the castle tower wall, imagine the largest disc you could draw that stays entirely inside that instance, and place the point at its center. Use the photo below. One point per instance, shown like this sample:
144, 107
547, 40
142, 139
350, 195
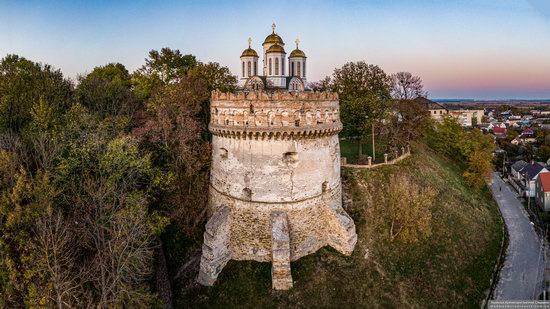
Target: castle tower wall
277, 155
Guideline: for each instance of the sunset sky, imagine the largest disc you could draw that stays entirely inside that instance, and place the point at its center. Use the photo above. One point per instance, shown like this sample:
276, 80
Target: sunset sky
481, 49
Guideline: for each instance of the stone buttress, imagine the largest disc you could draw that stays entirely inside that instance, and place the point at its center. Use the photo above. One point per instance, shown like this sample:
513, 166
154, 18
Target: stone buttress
275, 189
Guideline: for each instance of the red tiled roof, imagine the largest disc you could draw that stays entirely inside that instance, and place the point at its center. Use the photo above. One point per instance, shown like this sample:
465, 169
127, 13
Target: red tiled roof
498, 130
545, 180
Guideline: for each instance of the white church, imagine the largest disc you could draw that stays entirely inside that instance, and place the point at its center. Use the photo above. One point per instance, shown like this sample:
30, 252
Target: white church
274, 71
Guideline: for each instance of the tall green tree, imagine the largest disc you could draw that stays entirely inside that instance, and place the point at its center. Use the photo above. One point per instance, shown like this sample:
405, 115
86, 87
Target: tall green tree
472, 149
364, 91
106, 91
22, 84
161, 68
175, 131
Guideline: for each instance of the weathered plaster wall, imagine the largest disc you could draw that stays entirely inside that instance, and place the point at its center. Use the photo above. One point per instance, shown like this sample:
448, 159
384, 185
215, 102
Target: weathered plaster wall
275, 170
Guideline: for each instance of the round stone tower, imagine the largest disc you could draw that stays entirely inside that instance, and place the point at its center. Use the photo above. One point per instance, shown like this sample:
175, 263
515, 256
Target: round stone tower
275, 189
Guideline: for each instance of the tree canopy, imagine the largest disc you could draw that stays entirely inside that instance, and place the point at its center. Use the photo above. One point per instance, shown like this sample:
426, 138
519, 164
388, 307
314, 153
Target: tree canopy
24, 83
90, 177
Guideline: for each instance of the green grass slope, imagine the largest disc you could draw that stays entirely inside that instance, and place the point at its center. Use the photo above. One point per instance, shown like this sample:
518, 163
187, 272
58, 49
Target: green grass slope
450, 268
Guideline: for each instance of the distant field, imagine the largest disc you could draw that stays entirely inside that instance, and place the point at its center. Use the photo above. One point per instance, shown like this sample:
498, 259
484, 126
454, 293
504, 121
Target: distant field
451, 268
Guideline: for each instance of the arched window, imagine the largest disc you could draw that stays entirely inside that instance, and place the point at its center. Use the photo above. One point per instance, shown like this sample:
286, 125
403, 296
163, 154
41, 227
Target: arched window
276, 66
255, 68
299, 71
304, 69
283, 65
270, 66
249, 69
291, 68
243, 68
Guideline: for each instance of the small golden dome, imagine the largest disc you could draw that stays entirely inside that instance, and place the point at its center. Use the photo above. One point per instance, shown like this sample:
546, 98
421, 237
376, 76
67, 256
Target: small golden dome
297, 53
276, 49
249, 52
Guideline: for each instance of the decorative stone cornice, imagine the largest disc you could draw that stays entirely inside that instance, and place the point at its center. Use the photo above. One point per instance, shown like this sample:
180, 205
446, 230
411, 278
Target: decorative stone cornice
275, 133
274, 115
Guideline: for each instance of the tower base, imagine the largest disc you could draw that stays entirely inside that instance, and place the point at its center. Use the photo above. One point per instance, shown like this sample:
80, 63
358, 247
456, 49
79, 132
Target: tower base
217, 248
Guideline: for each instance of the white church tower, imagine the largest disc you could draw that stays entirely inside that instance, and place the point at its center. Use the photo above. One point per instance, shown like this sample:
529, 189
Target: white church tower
249, 63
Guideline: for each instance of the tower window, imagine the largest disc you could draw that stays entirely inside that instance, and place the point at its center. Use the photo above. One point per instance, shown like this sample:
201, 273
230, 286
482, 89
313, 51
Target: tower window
276, 66
243, 68
270, 71
249, 69
283, 65
255, 68
291, 68
304, 69
299, 66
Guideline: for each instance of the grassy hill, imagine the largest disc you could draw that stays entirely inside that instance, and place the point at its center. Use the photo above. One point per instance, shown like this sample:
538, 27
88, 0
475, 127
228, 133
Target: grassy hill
449, 268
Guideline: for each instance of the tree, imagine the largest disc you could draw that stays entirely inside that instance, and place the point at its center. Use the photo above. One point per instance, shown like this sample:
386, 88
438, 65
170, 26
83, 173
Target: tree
479, 168
161, 68
405, 86
323, 85
215, 76
445, 138
407, 122
472, 150
22, 84
409, 208
56, 247
175, 131
106, 91
364, 91
543, 153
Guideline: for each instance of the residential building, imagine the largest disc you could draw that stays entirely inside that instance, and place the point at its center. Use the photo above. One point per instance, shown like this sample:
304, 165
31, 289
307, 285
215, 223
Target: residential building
542, 197
499, 132
466, 117
496, 124
527, 133
436, 110
540, 113
530, 173
516, 168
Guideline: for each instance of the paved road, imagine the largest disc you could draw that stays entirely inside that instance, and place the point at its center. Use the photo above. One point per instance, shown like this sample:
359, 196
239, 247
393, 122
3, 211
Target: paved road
521, 276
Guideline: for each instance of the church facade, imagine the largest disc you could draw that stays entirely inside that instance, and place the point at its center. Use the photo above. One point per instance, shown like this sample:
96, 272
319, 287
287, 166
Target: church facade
276, 70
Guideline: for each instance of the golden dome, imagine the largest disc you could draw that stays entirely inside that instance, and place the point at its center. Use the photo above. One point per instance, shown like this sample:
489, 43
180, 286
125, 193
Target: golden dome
276, 49
249, 52
273, 38
297, 53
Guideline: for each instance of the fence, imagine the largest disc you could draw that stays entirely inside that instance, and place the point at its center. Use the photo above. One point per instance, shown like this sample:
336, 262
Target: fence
396, 158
